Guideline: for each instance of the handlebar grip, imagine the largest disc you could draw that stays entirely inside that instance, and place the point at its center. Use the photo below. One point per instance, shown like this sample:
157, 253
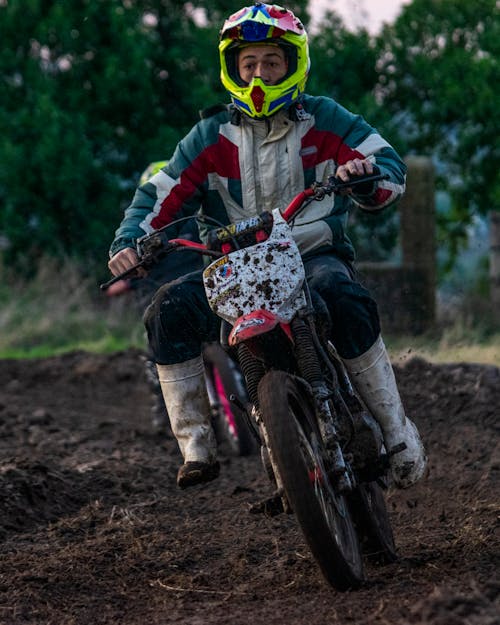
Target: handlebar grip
337, 184
125, 274
105, 286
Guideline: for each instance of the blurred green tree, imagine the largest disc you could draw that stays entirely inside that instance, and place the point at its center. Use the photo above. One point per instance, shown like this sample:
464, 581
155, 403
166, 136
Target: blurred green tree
91, 91
343, 67
438, 76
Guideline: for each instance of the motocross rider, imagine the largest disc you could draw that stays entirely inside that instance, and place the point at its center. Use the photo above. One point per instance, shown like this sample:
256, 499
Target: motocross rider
256, 154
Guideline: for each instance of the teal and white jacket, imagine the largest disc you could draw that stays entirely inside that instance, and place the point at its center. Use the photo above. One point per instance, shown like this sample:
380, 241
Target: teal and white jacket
231, 167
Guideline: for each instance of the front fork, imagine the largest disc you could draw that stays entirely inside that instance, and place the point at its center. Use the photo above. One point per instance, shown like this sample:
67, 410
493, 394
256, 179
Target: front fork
270, 465
309, 368
307, 348
338, 470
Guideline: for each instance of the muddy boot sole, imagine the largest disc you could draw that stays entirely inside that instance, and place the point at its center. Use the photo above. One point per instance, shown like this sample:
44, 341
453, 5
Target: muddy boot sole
193, 473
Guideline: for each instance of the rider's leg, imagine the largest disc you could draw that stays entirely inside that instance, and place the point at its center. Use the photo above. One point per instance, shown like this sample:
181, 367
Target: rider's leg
185, 395
355, 330
164, 271
373, 378
178, 321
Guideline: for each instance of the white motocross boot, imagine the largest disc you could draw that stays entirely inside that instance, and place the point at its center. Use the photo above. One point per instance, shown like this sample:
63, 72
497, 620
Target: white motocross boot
186, 400
373, 377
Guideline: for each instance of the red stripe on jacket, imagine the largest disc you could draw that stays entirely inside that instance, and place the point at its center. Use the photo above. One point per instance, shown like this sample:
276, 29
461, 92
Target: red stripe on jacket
329, 146
381, 196
220, 158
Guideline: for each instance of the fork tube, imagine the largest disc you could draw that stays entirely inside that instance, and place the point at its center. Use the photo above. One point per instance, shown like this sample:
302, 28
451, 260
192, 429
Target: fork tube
253, 370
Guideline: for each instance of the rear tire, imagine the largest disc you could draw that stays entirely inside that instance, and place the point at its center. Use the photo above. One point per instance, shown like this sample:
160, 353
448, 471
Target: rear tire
231, 427
297, 450
370, 514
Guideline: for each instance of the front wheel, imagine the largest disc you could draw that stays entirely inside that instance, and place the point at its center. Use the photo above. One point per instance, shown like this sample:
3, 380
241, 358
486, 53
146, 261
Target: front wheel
296, 446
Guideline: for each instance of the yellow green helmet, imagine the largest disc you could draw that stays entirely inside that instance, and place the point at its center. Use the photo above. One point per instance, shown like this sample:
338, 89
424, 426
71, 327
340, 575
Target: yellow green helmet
151, 170
266, 24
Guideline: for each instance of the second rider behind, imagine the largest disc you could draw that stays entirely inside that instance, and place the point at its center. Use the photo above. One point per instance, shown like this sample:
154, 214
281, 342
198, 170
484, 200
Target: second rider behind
256, 154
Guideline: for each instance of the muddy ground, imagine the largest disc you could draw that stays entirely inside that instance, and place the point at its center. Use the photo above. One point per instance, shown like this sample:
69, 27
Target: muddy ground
93, 529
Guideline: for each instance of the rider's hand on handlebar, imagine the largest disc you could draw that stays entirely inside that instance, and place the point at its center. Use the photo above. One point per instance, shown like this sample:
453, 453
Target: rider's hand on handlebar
354, 169
124, 260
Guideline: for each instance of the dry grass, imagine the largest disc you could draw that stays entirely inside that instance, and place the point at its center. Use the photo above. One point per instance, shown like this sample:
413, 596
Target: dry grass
455, 339
57, 311
443, 351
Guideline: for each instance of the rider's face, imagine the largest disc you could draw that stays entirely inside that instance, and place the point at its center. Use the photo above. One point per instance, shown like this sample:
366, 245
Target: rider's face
266, 62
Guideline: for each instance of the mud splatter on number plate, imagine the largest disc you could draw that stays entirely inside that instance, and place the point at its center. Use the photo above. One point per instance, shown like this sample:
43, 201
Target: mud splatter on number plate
268, 275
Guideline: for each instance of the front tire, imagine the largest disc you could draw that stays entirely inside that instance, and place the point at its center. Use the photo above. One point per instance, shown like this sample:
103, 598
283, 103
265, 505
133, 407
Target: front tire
297, 450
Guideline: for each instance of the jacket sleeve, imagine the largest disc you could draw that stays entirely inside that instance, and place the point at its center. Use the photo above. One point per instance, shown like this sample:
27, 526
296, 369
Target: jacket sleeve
131, 227
173, 192
339, 136
360, 140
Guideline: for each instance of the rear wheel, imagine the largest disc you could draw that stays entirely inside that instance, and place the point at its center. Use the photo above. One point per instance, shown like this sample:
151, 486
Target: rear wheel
230, 422
370, 513
298, 452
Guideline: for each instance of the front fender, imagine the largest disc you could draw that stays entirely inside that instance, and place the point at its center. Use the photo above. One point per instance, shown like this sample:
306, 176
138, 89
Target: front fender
254, 324
269, 340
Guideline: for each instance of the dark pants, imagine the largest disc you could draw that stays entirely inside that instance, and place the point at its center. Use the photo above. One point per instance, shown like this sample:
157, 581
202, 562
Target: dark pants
179, 318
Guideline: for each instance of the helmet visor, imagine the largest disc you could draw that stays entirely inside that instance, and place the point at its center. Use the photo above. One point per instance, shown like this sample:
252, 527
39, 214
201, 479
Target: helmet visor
259, 23
254, 31
235, 48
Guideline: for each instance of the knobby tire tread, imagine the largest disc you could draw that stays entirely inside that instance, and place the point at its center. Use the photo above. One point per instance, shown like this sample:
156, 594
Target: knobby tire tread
371, 515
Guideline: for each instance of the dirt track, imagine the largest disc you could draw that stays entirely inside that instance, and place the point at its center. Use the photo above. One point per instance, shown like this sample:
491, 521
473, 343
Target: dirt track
93, 529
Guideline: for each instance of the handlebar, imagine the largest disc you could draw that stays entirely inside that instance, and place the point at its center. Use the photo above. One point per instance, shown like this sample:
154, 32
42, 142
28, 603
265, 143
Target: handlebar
156, 248
317, 191
153, 247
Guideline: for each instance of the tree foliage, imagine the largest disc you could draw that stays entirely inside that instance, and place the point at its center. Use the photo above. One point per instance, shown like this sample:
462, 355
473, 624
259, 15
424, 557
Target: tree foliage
91, 91
344, 67
439, 75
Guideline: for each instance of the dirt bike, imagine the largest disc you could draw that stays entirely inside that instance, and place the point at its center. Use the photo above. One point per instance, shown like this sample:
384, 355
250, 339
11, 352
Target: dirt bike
320, 446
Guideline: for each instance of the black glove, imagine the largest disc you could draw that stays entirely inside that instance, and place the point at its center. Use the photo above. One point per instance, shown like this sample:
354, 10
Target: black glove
366, 189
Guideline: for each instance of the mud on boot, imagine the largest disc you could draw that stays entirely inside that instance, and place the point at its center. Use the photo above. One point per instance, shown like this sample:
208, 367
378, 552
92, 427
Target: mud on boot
373, 378
193, 472
186, 400
407, 465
